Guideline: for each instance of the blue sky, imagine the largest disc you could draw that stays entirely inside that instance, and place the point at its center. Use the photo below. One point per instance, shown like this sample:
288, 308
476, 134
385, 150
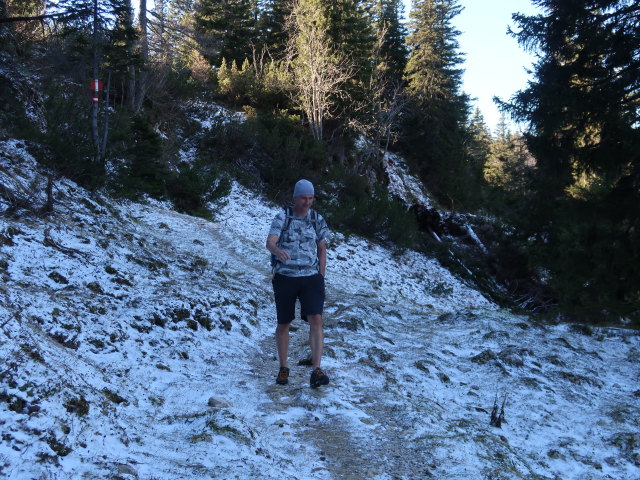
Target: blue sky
495, 65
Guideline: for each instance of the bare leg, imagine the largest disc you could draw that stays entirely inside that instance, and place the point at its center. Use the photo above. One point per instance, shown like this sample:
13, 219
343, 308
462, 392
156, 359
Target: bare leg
282, 343
316, 338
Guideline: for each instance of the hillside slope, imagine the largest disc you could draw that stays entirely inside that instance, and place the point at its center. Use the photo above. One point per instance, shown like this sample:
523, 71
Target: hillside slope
137, 343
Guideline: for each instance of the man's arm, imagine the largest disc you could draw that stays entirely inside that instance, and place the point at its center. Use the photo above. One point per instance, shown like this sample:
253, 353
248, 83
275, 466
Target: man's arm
322, 256
272, 246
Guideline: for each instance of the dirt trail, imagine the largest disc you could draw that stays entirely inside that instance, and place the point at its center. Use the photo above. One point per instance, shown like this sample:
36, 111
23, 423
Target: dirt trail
345, 453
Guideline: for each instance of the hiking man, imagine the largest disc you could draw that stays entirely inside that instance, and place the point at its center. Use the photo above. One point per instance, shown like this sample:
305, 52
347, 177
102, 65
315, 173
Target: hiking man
297, 241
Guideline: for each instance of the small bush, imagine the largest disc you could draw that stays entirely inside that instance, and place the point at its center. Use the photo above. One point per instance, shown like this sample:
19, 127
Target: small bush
79, 406
287, 152
197, 185
370, 212
113, 396
145, 170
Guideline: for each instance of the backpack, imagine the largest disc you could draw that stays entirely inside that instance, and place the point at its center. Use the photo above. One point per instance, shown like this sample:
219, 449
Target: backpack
288, 215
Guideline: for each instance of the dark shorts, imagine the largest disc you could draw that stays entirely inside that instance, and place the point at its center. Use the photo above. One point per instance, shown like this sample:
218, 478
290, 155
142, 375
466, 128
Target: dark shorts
310, 291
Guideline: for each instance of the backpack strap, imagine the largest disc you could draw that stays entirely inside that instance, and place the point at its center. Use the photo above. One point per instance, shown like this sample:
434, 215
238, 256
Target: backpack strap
285, 225
288, 213
313, 217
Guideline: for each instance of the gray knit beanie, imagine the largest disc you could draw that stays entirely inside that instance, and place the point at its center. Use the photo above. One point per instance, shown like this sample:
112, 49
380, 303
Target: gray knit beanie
303, 187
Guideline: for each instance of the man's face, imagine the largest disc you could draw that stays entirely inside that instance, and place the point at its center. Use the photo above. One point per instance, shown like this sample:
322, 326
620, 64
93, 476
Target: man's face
303, 202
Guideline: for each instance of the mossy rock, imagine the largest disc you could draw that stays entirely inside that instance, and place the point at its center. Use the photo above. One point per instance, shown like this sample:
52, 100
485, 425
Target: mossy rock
379, 354
65, 340
96, 288
484, 357
141, 327
58, 447
32, 352
58, 278
97, 343
203, 319
579, 379
122, 281
79, 406
192, 324
421, 366
6, 240
158, 320
179, 314
353, 324
110, 270
114, 397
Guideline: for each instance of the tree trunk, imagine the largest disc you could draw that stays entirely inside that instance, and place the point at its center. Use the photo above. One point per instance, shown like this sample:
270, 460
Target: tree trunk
94, 107
105, 134
131, 70
141, 84
47, 208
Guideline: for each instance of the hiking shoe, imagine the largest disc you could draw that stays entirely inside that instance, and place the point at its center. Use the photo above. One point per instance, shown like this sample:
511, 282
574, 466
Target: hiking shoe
318, 377
283, 376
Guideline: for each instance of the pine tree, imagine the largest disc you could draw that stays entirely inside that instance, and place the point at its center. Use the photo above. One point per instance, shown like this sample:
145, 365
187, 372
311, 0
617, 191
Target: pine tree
227, 28
479, 140
508, 165
435, 124
272, 32
433, 69
350, 33
385, 17
121, 57
583, 116
351, 37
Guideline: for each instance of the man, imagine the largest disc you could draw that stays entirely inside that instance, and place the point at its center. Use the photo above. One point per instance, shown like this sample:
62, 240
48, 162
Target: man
298, 241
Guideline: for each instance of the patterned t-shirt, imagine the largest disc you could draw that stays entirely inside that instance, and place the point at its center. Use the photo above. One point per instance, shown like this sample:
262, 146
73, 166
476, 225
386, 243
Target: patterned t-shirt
300, 241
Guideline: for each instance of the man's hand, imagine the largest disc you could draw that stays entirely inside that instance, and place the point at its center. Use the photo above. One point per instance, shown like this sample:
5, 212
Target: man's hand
282, 255
272, 246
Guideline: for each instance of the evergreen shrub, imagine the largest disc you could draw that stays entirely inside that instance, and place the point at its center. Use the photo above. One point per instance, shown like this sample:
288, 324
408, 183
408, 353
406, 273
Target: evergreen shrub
265, 87
228, 141
356, 208
272, 146
288, 152
145, 171
66, 145
592, 257
194, 186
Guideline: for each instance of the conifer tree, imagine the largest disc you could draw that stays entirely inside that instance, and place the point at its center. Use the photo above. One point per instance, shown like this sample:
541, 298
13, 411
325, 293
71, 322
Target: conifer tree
227, 29
386, 20
121, 57
583, 114
479, 140
508, 164
435, 125
272, 32
350, 33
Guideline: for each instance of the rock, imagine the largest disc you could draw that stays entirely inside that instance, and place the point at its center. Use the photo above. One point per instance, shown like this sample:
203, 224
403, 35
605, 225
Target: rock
484, 357
495, 335
421, 366
555, 454
218, 402
513, 356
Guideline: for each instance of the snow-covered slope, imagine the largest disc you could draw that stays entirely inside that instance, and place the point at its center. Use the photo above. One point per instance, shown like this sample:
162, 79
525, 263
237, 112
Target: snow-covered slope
137, 343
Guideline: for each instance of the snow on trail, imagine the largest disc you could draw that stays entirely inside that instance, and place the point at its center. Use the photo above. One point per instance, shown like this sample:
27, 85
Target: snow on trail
137, 343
